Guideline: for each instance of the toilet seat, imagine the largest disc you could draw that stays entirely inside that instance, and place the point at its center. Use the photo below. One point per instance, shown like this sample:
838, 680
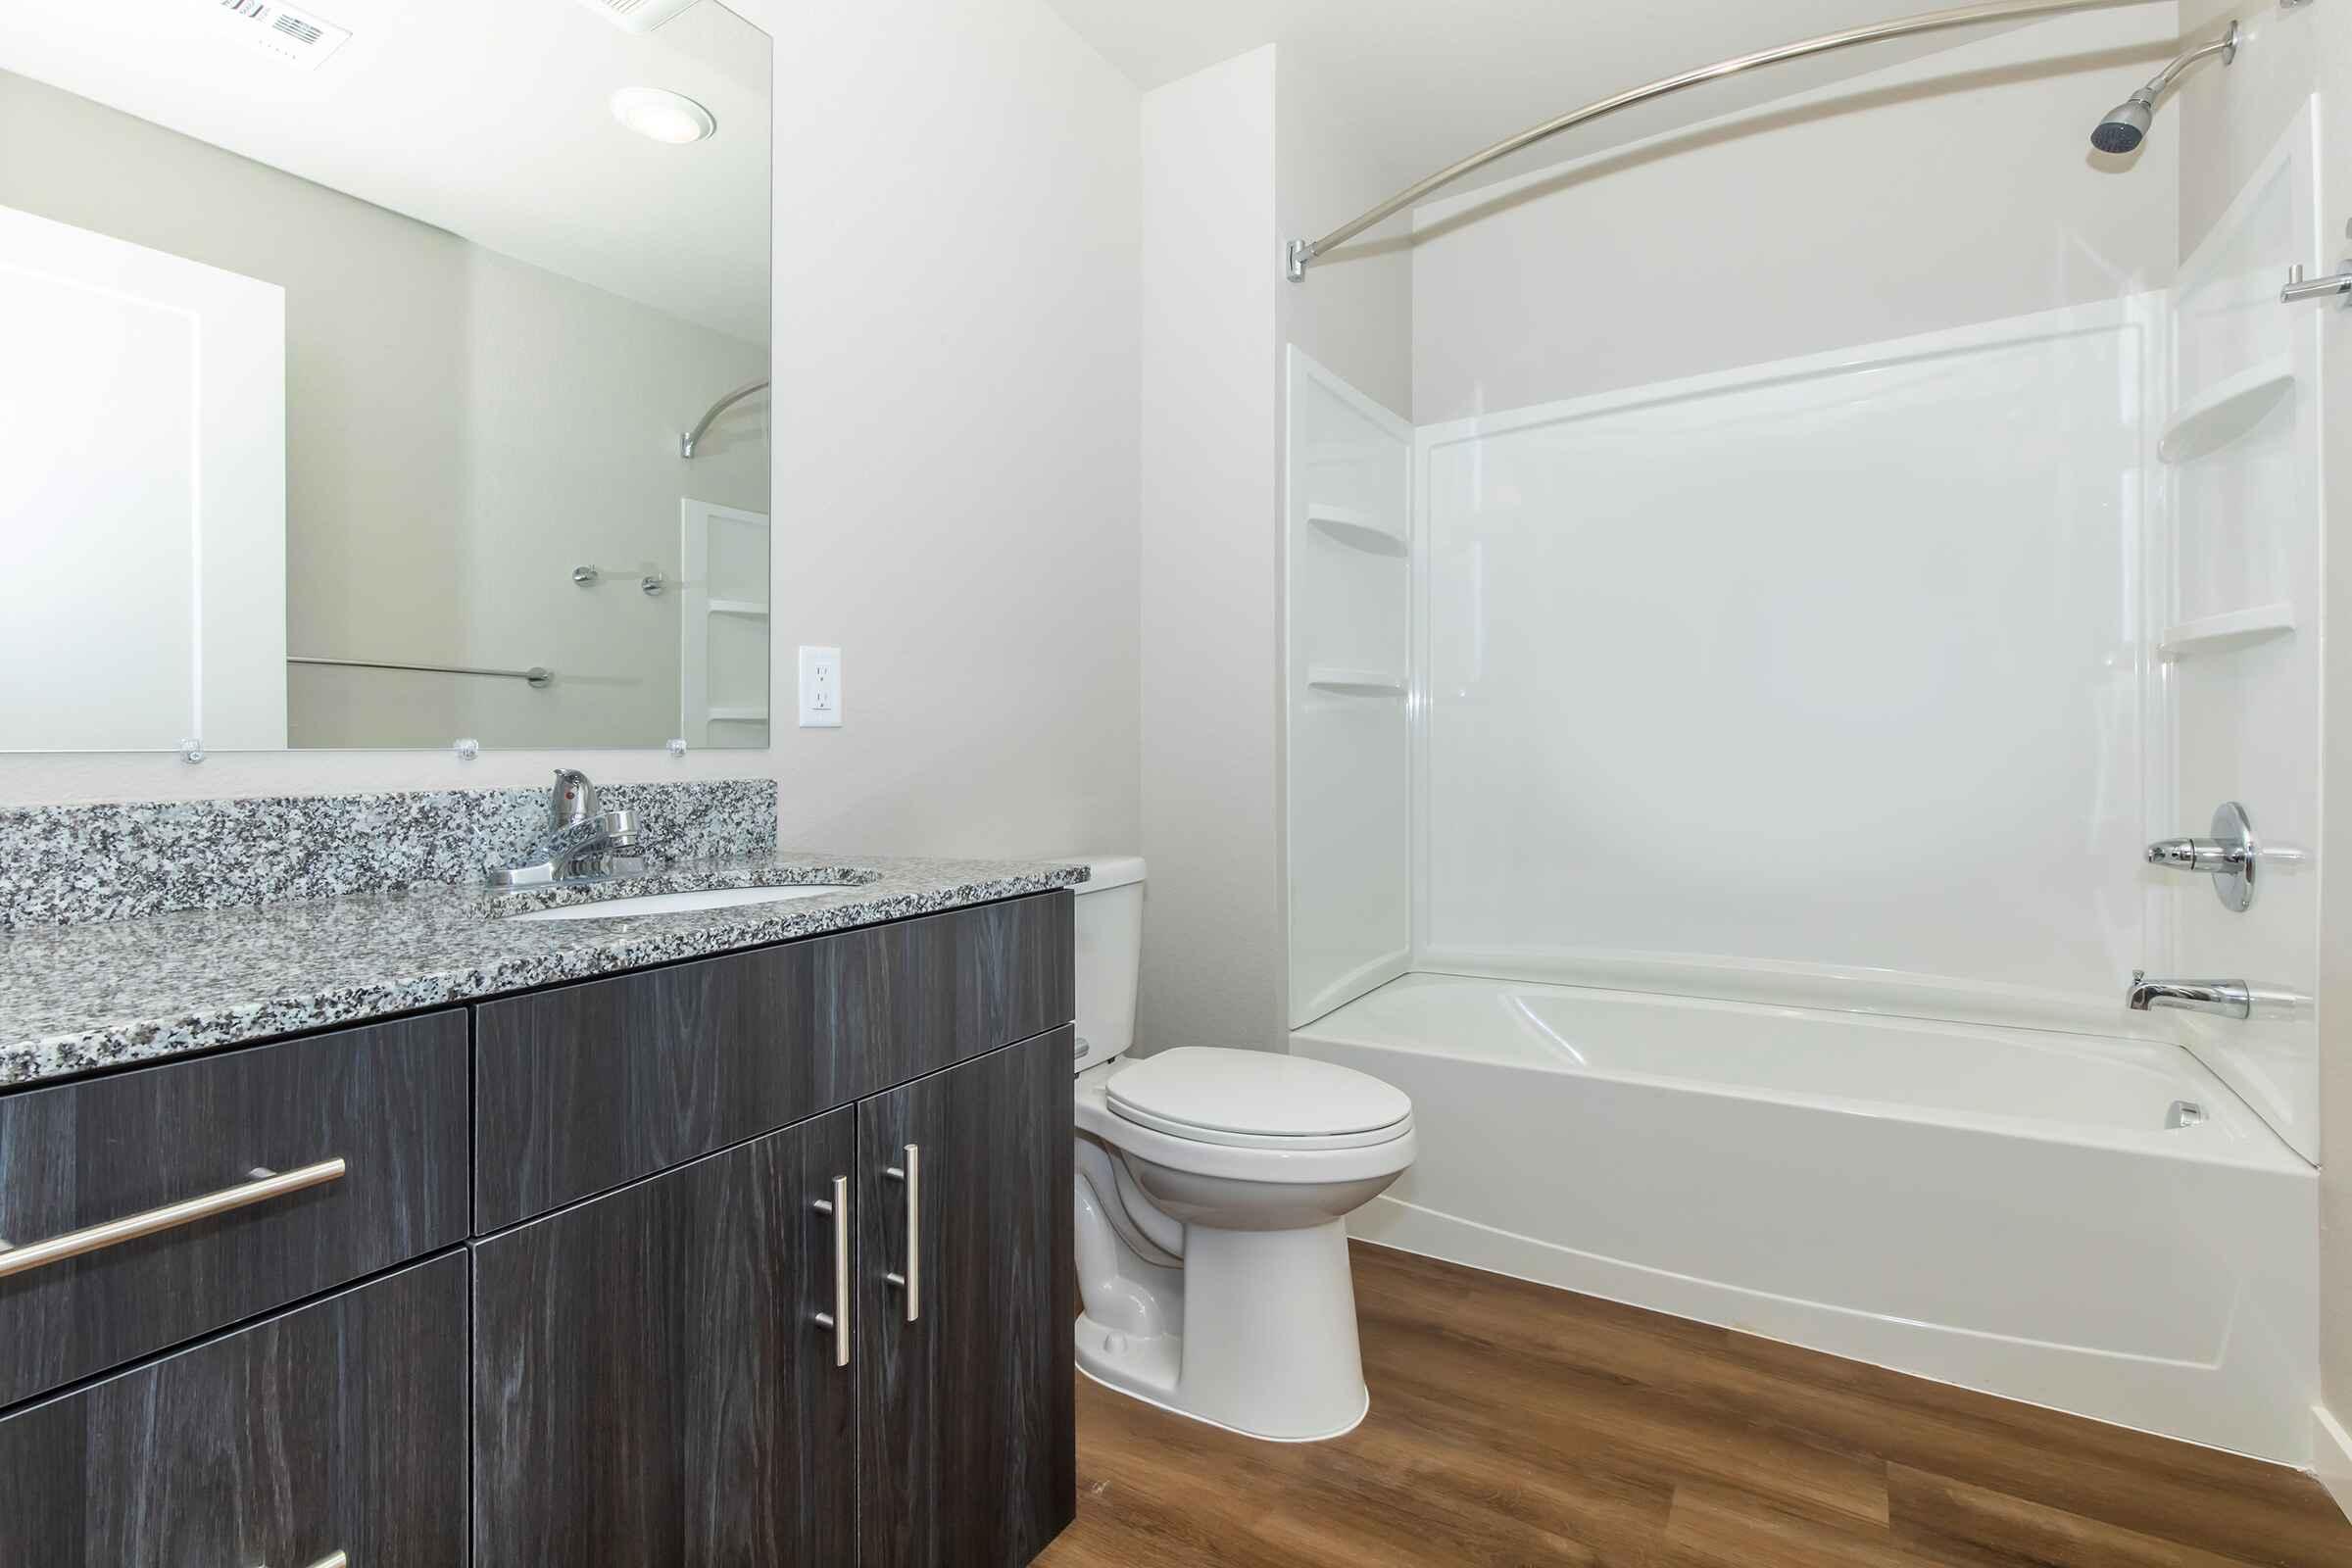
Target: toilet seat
1276, 1160
1257, 1099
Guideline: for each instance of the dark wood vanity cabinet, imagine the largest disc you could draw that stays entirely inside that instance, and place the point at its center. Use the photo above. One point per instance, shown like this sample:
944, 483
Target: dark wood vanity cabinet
621, 1361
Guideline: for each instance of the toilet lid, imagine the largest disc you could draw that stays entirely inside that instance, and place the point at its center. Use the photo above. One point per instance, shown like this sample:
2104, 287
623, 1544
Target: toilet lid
1256, 1099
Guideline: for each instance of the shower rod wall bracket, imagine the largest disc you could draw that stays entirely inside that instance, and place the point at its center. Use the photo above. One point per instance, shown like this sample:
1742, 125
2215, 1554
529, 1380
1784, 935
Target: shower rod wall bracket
1301, 254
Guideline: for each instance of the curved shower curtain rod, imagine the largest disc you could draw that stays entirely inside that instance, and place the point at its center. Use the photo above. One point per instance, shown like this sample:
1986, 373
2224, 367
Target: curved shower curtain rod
1302, 252
687, 441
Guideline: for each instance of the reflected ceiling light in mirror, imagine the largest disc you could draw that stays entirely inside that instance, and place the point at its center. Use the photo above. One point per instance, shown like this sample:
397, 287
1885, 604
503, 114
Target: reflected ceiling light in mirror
664, 117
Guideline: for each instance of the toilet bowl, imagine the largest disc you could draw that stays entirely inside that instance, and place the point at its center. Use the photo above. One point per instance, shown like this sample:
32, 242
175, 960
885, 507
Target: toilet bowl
1211, 1191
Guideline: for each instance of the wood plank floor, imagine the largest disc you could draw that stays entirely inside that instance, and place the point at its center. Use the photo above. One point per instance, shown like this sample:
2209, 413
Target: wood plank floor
1516, 1424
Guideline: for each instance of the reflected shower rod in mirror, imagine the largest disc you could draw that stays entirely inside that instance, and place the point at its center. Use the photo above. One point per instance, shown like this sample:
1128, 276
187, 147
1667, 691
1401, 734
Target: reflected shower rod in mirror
687, 441
1301, 253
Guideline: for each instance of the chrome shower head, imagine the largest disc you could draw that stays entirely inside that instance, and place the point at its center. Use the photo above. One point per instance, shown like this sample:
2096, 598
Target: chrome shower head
2127, 123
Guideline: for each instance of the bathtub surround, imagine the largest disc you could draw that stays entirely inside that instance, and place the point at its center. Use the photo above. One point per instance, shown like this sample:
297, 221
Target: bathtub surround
68, 865
2225, 134
102, 994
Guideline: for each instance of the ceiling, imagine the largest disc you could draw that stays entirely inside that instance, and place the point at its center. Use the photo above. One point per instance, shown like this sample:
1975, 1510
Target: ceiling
486, 118
1438, 79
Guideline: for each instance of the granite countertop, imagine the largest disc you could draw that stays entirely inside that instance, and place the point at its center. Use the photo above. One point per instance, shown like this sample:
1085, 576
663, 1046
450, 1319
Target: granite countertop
98, 995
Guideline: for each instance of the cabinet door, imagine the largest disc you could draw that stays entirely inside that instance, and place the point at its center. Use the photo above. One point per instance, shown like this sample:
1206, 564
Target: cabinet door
967, 1444
338, 1426
650, 1383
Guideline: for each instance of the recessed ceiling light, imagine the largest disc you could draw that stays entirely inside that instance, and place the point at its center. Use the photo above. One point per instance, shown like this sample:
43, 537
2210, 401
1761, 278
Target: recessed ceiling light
665, 117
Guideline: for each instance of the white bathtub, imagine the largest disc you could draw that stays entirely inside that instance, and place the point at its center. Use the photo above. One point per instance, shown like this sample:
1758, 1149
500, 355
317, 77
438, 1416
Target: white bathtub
2000, 1208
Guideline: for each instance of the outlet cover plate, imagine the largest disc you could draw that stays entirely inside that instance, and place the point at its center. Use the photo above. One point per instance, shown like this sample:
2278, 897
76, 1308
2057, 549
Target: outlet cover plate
820, 688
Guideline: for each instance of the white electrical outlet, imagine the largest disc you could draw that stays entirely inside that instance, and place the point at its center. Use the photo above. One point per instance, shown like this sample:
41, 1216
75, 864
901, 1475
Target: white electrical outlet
820, 688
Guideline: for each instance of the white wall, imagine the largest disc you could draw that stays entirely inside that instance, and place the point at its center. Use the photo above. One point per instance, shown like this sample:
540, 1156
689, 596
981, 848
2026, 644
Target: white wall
956, 470
957, 265
1237, 159
1952, 189
1213, 962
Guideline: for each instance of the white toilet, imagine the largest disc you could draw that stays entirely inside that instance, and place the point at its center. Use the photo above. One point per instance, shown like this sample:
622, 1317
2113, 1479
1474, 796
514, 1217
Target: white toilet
1212, 1186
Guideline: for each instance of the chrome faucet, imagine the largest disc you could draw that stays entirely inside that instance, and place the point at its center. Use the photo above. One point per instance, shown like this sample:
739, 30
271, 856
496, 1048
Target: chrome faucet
2228, 998
582, 843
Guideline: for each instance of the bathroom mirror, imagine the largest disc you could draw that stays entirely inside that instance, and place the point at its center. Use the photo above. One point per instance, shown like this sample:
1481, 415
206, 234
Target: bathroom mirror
383, 374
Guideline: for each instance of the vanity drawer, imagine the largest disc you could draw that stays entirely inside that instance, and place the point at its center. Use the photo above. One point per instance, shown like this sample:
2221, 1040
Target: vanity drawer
580, 1089
341, 1426
387, 1100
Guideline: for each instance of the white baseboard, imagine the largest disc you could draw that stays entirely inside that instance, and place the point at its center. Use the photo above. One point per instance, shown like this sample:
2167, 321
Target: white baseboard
2331, 1456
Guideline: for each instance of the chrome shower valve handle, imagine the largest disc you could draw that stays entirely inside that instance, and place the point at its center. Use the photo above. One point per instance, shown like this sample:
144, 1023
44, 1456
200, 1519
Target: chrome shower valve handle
2230, 857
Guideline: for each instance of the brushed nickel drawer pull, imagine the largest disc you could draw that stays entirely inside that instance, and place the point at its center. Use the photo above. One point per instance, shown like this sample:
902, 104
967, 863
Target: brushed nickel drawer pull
267, 1184
911, 1173
838, 1320
333, 1559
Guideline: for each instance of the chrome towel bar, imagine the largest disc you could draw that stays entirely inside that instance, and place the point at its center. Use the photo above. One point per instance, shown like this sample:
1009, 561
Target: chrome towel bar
537, 675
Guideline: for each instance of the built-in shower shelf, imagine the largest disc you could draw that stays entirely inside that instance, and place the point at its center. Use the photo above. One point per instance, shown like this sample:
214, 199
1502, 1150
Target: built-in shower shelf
1355, 682
2237, 628
737, 606
2225, 411
1358, 530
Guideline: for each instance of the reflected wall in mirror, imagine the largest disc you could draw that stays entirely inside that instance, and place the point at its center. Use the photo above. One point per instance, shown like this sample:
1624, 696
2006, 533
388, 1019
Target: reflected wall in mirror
344, 341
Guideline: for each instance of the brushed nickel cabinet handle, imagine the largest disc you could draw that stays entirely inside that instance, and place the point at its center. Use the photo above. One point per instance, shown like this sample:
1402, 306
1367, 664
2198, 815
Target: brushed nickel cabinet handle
838, 1320
266, 1185
911, 1282
333, 1559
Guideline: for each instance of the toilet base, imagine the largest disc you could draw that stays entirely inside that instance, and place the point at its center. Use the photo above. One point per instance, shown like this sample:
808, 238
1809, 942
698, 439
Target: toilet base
1147, 1374
1268, 1346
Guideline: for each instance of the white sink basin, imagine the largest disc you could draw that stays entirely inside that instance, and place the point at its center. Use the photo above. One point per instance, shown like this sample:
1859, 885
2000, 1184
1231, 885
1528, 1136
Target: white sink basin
682, 903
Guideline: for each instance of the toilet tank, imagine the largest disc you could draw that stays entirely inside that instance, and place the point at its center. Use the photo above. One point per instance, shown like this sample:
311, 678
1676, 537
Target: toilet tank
1109, 920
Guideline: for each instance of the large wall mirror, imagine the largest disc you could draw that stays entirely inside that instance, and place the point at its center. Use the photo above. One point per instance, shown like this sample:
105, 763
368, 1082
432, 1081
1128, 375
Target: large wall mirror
383, 374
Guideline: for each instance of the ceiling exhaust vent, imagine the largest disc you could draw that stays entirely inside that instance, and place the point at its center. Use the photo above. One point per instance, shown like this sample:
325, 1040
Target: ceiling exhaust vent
288, 34
638, 15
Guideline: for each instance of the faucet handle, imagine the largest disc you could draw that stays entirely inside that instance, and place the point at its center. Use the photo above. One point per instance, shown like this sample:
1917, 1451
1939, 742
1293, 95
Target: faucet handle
573, 799
2231, 856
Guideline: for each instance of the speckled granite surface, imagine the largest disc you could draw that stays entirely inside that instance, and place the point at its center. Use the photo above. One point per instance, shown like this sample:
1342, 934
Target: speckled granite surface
97, 994
66, 865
